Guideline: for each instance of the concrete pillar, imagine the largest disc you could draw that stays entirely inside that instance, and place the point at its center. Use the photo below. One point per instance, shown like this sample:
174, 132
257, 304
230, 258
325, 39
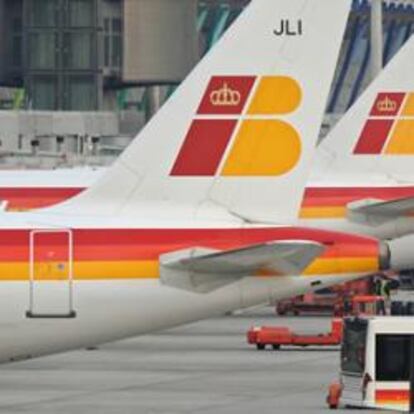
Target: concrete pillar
376, 38
154, 101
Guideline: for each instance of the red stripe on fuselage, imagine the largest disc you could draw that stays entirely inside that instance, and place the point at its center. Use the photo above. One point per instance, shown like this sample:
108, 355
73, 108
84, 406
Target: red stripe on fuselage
148, 244
36, 197
331, 196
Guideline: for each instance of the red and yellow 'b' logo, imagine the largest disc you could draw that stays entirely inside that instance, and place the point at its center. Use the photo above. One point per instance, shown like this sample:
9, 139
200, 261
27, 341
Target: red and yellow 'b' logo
237, 134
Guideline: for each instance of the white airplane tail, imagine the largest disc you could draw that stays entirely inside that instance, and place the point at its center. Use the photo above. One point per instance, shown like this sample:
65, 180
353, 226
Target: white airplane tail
375, 138
238, 135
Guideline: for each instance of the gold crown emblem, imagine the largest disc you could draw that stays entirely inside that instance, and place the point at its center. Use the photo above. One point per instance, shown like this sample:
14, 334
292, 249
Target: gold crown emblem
225, 96
387, 105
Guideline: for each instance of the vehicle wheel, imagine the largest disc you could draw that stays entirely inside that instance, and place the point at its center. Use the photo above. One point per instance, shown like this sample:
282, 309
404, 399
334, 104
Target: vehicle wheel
260, 347
276, 347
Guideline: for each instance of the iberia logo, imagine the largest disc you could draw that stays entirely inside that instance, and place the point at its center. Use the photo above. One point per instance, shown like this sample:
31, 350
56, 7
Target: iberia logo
237, 131
390, 127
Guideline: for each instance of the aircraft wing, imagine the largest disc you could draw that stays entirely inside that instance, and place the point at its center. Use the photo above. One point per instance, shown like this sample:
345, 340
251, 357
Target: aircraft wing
373, 211
204, 270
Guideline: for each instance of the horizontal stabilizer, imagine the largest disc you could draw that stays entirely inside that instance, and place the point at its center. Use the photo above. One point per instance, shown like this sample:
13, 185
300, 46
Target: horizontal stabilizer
374, 211
204, 270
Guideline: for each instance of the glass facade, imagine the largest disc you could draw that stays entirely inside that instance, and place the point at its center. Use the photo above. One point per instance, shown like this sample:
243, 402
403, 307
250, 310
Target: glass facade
62, 54
44, 89
113, 42
78, 51
81, 13
80, 92
42, 50
43, 13
17, 44
116, 60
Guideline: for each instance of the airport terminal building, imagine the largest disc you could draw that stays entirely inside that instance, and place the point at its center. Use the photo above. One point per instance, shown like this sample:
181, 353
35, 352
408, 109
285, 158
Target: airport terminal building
75, 55
115, 62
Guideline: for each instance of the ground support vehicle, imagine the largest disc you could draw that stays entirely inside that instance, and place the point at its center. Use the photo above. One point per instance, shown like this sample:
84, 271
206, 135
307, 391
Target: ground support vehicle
364, 305
278, 336
375, 363
327, 301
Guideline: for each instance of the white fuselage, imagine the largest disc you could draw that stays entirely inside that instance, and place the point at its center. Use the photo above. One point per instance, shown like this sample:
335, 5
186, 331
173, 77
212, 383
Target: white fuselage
108, 310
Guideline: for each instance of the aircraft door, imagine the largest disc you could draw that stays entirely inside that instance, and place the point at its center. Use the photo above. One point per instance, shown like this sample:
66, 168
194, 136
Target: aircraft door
51, 274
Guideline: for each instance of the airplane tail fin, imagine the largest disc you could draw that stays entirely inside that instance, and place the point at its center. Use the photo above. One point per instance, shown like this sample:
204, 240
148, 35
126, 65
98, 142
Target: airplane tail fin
376, 136
238, 135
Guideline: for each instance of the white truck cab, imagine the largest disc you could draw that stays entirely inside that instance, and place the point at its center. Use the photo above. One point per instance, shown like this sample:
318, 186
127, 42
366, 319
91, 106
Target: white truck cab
375, 362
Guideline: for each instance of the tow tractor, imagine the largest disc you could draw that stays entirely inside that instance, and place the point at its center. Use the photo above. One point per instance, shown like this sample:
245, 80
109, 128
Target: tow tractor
276, 336
375, 364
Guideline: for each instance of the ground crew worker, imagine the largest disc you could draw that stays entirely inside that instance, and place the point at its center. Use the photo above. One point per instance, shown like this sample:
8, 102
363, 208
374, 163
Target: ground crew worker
382, 288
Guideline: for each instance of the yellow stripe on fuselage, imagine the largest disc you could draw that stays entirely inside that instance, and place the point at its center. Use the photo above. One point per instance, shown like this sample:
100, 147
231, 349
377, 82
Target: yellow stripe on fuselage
342, 265
93, 270
322, 212
149, 269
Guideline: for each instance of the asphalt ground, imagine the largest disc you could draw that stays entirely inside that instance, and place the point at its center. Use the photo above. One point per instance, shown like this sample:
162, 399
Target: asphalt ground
206, 367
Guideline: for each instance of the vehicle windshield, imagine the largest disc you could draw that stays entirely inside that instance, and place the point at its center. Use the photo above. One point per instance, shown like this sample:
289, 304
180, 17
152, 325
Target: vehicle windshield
353, 346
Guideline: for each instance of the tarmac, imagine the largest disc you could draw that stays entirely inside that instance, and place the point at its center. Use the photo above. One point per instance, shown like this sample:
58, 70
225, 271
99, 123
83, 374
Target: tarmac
206, 367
